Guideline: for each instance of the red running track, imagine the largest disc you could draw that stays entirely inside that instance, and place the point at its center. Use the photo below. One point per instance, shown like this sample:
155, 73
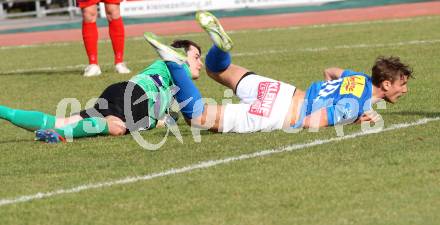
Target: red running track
238, 23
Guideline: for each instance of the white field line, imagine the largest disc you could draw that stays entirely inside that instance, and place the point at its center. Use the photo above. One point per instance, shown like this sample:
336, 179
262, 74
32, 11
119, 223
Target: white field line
206, 164
65, 68
339, 47
243, 54
317, 26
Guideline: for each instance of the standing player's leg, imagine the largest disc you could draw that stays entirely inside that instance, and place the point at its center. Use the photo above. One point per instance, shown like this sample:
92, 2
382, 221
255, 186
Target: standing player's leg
218, 60
90, 36
117, 34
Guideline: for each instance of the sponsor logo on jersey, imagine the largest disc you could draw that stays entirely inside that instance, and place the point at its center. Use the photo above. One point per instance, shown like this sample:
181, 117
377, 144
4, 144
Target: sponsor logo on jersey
267, 94
354, 85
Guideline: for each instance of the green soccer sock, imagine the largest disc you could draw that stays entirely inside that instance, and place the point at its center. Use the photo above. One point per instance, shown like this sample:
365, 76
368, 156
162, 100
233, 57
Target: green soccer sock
29, 120
85, 128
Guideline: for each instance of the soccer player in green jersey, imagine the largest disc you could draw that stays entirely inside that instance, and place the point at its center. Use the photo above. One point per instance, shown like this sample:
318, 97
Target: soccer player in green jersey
133, 105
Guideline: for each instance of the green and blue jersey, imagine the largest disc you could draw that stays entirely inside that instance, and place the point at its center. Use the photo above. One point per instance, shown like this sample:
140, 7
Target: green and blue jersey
157, 83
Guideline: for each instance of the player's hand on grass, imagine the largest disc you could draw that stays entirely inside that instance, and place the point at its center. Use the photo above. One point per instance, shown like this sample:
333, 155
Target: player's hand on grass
370, 116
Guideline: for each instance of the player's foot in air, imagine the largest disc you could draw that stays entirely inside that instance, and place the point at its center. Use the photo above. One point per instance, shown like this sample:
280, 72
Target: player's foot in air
48, 136
166, 52
92, 70
121, 68
215, 30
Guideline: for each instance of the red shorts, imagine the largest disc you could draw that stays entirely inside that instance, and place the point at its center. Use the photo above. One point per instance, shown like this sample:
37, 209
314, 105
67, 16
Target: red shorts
86, 3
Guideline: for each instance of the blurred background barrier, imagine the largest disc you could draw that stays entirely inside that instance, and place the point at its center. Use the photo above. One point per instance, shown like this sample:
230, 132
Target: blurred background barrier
174, 7
144, 8
36, 8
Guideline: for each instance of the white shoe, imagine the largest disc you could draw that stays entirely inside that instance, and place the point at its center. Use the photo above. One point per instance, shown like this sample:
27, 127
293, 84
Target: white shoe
167, 53
215, 30
92, 70
122, 68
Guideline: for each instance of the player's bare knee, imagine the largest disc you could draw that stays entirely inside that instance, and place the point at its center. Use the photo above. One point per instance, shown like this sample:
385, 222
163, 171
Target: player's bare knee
113, 16
211, 73
117, 131
116, 126
210, 119
195, 122
89, 15
112, 12
190, 122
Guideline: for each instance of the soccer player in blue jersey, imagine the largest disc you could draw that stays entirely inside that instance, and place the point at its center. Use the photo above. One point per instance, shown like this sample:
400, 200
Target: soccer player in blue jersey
267, 104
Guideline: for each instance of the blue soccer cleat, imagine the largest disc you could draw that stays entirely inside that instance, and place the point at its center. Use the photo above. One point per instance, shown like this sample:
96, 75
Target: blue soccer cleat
215, 30
48, 136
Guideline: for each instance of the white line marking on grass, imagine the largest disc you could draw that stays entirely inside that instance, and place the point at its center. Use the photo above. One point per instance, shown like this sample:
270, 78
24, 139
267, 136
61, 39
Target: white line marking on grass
36, 45
44, 69
66, 68
54, 44
355, 46
206, 164
317, 26
244, 54
414, 42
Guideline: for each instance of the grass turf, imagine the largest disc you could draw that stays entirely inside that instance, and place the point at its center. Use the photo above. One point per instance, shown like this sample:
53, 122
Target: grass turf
385, 178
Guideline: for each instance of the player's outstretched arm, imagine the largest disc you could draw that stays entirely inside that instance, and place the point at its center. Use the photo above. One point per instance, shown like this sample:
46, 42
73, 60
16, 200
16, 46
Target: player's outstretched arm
369, 116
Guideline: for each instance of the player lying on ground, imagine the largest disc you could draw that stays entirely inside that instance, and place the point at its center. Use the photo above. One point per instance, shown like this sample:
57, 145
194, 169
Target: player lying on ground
266, 104
132, 105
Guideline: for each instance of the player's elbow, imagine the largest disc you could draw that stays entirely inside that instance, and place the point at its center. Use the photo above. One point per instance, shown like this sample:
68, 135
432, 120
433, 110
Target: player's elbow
333, 73
328, 74
117, 131
195, 76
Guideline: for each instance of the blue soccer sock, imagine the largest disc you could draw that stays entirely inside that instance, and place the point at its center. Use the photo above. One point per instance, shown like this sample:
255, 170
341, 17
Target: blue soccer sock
217, 60
187, 91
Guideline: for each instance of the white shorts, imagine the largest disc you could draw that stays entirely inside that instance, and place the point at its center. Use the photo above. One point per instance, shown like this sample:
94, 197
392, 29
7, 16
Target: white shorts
263, 106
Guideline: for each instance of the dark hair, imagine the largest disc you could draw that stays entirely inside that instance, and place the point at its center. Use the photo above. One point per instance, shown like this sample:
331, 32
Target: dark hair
186, 44
389, 68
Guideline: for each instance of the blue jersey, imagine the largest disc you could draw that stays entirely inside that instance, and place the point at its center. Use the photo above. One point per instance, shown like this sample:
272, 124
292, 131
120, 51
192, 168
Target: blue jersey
345, 99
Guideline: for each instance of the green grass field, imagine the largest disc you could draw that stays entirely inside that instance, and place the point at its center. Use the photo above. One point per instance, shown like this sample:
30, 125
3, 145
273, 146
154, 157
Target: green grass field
390, 177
